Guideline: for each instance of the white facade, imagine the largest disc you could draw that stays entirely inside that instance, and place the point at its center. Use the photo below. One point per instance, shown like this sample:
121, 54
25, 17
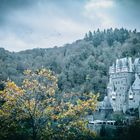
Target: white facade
124, 84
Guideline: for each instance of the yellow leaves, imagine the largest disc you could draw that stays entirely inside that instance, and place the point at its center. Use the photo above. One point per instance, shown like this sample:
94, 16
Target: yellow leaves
41, 79
30, 85
11, 93
5, 109
30, 104
25, 81
10, 84
83, 105
51, 91
42, 73
79, 102
58, 109
27, 72
1, 92
49, 110
70, 110
55, 117
31, 98
35, 82
1, 112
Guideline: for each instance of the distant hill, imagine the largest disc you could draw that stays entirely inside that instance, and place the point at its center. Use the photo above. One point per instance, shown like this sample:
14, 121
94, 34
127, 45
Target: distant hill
81, 66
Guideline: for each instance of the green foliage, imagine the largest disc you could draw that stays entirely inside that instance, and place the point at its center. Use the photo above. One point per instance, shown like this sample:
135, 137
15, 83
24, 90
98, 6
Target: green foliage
89, 56
129, 132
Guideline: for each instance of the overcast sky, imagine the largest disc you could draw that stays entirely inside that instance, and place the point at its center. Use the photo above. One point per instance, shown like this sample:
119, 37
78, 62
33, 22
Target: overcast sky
27, 24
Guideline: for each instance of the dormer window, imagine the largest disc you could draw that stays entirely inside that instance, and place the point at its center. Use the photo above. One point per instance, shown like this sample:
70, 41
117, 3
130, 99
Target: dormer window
113, 97
130, 96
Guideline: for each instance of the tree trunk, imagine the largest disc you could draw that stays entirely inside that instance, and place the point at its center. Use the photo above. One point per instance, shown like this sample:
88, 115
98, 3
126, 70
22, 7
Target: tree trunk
34, 133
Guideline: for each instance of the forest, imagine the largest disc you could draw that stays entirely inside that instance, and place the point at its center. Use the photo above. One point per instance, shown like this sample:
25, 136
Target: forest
81, 66
47, 93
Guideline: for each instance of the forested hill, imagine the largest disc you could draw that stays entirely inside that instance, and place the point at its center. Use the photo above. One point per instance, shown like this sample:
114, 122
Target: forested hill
81, 66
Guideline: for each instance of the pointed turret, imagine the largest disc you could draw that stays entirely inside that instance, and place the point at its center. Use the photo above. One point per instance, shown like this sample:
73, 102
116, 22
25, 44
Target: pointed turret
118, 65
124, 65
137, 65
112, 69
130, 64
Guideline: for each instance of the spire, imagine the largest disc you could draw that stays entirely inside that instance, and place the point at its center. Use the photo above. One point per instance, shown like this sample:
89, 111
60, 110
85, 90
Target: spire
118, 65
130, 89
130, 64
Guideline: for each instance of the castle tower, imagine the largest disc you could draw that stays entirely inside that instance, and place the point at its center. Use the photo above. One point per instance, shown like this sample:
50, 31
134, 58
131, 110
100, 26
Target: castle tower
137, 65
121, 77
134, 92
125, 66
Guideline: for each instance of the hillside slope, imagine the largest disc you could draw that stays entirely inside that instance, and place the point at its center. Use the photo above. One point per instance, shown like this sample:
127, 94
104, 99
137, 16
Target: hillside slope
81, 66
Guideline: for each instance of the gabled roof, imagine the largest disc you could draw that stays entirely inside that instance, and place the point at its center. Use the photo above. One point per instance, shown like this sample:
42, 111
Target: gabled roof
136, 84
137, 61
130, 90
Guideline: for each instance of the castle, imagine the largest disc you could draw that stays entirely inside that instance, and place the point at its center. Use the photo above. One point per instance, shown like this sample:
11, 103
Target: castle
123, 90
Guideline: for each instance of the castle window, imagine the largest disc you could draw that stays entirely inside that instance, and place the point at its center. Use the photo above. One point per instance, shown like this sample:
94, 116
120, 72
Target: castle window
130, 96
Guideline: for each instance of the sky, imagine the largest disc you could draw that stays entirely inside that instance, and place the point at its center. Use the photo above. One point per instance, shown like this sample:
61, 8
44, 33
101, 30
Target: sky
27, 24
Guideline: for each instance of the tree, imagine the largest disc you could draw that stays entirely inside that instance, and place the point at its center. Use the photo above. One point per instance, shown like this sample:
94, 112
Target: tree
30, 104
37, 109
69, 117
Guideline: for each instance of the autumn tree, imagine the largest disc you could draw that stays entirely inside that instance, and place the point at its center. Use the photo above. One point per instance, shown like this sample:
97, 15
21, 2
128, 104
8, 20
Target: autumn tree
68, 120
37, 110
30, 102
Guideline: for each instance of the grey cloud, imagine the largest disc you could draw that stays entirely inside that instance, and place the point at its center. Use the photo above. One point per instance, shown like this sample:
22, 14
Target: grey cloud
29, 23
6, 6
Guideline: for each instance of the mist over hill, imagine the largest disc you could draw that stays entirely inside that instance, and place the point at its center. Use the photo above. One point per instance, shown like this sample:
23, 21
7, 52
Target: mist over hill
81, 66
